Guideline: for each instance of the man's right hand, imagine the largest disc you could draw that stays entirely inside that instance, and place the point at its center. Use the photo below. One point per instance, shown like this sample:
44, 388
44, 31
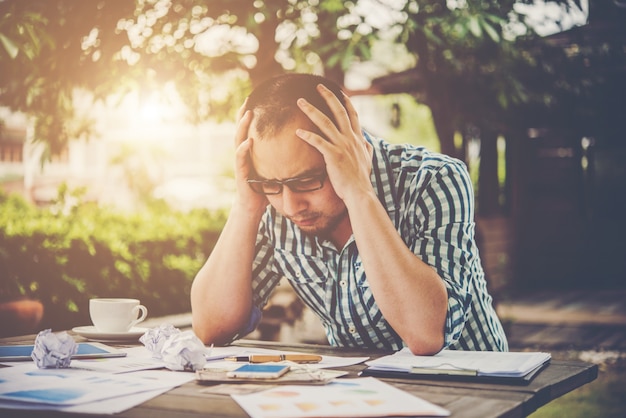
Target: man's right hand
251, 202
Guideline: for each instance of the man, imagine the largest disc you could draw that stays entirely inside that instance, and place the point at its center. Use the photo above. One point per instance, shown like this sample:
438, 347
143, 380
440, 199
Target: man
377, 239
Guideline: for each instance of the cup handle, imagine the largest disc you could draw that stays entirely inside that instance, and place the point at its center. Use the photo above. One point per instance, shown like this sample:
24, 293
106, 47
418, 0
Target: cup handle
144, 314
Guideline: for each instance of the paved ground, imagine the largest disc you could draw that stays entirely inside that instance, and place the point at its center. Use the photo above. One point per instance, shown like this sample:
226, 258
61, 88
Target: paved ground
568, 320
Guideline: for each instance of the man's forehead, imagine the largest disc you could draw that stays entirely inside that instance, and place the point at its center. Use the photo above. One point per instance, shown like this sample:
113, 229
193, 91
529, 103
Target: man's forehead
273, 161
284, 155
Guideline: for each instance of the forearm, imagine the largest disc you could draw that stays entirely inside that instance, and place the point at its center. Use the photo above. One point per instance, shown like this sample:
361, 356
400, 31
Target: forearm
409, 293
221, 293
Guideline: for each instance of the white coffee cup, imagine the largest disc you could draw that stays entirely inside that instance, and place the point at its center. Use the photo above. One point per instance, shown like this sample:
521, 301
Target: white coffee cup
116, 314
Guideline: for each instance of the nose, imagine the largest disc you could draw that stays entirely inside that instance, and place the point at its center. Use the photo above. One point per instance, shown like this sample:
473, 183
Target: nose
292, 203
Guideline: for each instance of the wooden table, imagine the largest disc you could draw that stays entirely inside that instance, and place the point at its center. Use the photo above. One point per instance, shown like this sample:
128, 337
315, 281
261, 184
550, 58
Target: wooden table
461, 398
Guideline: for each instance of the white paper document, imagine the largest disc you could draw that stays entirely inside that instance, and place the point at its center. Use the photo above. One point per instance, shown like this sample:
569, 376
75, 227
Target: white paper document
137, 358
481, 363
109, 386
361, 397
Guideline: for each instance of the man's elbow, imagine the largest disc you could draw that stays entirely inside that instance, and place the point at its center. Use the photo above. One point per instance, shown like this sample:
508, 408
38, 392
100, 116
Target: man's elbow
425, 345
203, 334
209, 336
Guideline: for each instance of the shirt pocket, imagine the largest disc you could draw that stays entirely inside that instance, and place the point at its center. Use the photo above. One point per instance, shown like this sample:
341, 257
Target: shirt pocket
300, 268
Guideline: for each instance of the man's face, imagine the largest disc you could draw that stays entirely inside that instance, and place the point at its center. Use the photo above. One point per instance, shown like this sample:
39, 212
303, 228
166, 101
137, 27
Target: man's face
285, 156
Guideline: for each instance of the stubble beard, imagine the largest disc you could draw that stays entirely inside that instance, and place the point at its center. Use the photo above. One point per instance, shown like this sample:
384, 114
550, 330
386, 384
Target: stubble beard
325, 230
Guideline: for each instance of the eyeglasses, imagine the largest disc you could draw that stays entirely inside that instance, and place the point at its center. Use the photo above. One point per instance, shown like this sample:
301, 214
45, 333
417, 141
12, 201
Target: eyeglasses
296, 184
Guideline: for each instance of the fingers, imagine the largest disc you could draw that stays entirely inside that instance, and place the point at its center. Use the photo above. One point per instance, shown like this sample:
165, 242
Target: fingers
335, 105
323, 122
352, 115
242, 142
346, 116
314, 140
242, 109
243, 165
319, 119
243, 125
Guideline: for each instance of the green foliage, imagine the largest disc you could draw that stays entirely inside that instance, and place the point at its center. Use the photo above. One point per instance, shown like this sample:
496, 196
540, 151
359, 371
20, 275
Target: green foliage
47, 53
470, 68
473, 65
64, 257
213, 52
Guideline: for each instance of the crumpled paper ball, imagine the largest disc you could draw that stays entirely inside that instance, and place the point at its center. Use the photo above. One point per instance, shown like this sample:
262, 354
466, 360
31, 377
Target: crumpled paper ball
179, 350
155, 338
184, 351
53, 351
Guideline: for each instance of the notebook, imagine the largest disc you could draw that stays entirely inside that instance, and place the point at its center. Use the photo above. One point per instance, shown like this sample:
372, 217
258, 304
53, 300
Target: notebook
481, 366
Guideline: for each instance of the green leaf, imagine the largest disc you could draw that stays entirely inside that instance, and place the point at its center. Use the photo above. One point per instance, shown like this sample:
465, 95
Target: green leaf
460, 30
503, 100
430, 35
493, 34
9, 46
364, 49
332, 60
333, 6
474, 27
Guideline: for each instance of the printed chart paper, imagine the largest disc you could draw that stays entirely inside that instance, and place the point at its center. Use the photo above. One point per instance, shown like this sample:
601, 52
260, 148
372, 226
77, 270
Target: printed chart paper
26, 383
361, 397
111, 405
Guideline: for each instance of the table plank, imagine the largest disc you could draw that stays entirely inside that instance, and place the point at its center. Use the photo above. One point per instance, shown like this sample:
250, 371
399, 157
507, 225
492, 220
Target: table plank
463, 399
189, 400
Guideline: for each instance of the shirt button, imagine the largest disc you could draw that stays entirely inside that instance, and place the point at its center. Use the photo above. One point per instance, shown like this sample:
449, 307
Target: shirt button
343, 283
298, 274
351, 330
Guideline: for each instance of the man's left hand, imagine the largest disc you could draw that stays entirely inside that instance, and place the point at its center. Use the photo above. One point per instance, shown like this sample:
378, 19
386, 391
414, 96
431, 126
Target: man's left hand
348, 156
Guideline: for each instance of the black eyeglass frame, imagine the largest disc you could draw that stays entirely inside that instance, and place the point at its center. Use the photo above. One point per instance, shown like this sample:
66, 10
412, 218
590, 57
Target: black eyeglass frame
291, 183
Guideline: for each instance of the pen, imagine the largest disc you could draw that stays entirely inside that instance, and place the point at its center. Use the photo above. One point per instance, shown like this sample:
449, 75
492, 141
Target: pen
265, 358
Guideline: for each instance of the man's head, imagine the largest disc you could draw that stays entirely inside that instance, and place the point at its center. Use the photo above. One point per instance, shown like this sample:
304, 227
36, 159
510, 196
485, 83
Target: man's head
278, 156
274, 101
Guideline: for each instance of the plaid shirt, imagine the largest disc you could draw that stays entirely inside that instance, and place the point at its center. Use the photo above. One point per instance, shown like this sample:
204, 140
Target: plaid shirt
429, 198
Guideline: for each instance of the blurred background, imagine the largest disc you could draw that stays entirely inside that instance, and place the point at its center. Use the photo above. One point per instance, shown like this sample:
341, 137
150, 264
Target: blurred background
117, 117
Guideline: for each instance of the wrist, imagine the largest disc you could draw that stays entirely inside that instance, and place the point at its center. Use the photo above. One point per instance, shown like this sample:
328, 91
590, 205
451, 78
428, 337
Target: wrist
357, 197
245, 210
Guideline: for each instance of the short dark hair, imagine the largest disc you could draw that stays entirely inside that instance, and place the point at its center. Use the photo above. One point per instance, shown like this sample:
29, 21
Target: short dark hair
274, 100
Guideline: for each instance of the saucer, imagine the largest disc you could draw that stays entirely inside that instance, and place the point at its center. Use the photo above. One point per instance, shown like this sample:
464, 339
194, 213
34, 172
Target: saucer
90, 332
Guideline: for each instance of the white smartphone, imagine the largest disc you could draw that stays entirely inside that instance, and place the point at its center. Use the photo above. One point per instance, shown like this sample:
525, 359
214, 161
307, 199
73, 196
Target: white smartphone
259, 371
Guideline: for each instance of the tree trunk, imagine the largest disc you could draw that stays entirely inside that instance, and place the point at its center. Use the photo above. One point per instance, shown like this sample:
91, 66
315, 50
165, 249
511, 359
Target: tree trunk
445, 131
266, 66
488, 184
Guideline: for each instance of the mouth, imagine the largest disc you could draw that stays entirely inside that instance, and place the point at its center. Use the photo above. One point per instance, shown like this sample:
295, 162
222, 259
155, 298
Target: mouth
305, 222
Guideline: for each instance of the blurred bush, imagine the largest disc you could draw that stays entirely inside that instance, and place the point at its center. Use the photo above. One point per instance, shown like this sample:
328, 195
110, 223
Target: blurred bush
66, 254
